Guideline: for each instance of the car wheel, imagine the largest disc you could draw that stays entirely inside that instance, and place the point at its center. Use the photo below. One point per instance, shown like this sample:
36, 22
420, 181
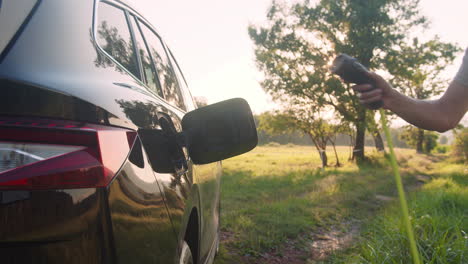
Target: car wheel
186, 254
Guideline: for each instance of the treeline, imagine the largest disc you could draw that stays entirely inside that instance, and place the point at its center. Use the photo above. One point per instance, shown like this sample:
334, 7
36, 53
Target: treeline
286, 128
300, 138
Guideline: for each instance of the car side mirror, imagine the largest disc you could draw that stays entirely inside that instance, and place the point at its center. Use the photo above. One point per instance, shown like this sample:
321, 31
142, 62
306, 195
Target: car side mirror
219, 131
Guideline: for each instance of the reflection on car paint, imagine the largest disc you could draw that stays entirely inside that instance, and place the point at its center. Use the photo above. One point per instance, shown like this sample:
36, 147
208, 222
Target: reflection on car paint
207, 178
142, 228
69, 227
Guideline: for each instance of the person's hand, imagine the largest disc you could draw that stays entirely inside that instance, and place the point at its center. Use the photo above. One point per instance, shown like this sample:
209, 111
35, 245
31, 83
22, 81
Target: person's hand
368, 94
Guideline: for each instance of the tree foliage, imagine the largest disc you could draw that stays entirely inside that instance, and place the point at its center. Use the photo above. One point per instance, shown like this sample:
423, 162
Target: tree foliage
416, 67
306, 120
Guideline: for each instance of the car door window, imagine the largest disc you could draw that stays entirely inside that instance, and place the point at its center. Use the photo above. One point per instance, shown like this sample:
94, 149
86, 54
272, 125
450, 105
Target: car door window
167, 78
113, 36
149, 73
183, 84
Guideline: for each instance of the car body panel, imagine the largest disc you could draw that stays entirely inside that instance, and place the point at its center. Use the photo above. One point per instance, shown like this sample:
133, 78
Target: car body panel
54, 225
142, 228
207, 178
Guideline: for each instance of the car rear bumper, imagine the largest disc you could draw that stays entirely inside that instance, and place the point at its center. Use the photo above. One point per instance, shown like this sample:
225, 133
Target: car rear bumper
54, 226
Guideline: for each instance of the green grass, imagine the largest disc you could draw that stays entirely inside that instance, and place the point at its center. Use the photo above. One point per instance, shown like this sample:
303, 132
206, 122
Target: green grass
440, 219
275, 193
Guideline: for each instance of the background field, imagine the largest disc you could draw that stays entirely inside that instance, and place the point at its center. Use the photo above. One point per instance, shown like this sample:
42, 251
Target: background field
279, 206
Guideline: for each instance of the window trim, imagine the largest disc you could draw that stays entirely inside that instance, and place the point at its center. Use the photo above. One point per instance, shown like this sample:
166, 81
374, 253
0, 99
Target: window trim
177, 64
135, 48
153, 66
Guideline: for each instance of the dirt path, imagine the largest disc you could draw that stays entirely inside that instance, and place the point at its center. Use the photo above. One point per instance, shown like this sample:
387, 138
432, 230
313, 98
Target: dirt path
307, 248
335, 239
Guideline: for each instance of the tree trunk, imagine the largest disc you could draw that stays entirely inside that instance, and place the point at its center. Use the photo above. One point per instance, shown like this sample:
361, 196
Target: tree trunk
351, 144
358, 152
321, 151
338, 164
323, 157
379, 144
419, 143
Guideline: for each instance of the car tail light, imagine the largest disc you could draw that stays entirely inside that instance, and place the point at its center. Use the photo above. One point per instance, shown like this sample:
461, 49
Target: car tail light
45, 154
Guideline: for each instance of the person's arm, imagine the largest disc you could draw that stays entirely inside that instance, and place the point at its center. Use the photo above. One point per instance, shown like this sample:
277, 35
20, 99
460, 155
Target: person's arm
440, 115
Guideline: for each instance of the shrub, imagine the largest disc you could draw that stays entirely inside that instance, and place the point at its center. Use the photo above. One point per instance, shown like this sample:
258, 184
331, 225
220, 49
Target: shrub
273, 144
460, 146
441, 149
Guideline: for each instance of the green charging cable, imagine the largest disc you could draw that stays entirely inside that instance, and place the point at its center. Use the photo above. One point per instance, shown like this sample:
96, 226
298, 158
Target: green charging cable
401, 192
351, 71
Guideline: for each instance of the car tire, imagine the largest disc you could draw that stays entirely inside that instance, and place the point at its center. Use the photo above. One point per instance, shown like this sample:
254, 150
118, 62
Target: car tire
186, 254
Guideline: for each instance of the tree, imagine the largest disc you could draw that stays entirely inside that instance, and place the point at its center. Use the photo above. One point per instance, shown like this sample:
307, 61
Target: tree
373, 129
342, 128
430, 141
416, 71
295, 47
266, 135
460, 145
304, 119
396, 137
411, 136
348, 130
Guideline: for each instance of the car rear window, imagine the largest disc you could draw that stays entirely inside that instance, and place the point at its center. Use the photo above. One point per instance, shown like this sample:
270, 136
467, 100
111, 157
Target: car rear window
13, 14
113, 35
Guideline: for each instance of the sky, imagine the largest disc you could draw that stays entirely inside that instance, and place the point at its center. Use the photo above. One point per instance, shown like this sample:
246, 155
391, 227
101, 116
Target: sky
210, 41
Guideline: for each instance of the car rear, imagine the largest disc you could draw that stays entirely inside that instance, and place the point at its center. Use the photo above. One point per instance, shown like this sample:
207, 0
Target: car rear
52, 196
58, 152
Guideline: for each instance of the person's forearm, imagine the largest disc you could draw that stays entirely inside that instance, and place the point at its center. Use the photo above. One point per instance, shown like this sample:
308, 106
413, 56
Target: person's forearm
440, 115
425, 114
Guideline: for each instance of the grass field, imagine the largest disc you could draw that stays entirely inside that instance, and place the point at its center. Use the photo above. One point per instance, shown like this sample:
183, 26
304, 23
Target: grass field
279, 206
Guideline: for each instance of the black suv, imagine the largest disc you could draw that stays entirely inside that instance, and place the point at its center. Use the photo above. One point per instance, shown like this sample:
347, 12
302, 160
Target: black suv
104, 157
